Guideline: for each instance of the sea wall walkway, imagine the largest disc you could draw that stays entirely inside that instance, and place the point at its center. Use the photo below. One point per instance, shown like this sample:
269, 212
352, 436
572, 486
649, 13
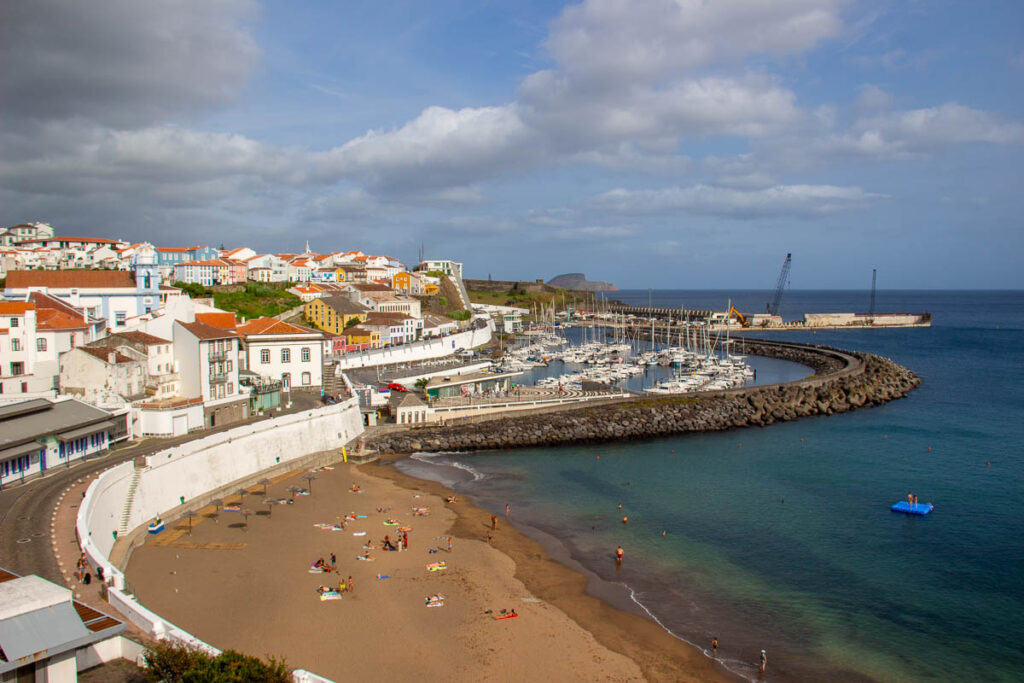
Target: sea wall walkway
842, 381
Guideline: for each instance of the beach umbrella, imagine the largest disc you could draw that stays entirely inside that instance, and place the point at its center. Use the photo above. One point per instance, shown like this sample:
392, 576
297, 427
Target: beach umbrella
265, 482
309, 477
269, 502
216, 502
293, 489
241, 494
190, 514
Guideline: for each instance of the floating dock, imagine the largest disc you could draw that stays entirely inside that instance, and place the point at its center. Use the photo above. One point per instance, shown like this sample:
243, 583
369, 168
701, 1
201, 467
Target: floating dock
906, 508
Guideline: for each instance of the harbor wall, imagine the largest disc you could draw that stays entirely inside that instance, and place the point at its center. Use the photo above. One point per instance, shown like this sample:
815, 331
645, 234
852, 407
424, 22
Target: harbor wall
842, 381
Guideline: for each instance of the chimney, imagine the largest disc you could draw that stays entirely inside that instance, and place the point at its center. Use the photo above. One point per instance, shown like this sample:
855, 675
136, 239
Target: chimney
112, 357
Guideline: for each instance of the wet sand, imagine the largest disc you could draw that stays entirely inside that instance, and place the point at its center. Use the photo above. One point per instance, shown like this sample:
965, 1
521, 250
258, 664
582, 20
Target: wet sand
247, 587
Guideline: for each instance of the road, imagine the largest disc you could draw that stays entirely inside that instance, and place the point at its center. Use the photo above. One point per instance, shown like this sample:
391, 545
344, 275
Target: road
26, 509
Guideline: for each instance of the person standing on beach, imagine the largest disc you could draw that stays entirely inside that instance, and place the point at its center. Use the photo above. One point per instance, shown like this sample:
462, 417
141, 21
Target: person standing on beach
334, 563
764, 661
508, 509
714, 647
349, 585
619, 552
494, 523
450, 542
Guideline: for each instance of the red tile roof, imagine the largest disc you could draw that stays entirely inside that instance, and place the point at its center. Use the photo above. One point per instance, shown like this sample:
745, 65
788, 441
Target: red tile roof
104, 354
225, 321
51, 319
66, 279
271, 326
16, 307
141, 338
207, 332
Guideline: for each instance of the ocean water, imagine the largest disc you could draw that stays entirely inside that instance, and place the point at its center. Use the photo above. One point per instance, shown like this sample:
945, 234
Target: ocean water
781, 538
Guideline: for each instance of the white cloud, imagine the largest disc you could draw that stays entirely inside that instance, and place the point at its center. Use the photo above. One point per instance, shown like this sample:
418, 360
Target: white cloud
122, 62
599, 232
923, 131
625, 41
781, 200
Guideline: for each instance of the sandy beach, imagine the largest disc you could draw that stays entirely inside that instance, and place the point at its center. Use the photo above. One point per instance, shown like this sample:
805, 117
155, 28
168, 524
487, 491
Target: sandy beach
245, 584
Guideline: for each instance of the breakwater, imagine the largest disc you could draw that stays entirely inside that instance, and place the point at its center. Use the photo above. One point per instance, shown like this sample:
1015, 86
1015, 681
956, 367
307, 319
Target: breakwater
843, 381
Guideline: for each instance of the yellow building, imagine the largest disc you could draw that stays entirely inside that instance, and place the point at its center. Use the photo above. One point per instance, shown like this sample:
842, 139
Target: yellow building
361, 335
333, 313
401, 282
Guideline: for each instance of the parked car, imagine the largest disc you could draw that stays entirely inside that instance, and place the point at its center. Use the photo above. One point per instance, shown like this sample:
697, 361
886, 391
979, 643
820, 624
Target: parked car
395, 386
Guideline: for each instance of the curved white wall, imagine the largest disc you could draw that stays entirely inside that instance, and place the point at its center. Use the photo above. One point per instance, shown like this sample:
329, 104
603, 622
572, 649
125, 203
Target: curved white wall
421, 350
191, 470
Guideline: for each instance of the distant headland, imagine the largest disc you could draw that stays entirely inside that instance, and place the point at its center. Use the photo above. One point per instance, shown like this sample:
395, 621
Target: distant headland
579, 281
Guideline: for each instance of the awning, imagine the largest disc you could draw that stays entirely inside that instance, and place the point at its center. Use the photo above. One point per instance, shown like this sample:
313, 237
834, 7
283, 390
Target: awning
86, 431
23, 449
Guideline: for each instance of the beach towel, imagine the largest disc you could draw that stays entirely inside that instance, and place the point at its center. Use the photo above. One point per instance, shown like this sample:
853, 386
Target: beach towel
358, 533
390, 522
330, 595
437, 566
507, 616
232, 508
383, 576
368, 559
405, 528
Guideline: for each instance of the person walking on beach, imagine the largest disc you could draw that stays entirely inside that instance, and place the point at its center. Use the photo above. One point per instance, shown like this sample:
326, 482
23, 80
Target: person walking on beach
349, 585
764, 661
714, 647
494, 523
508, 509
619, 552
334, 563
450, 544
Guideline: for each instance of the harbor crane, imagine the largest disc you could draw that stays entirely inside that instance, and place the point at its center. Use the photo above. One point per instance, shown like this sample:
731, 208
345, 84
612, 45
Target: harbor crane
773, 306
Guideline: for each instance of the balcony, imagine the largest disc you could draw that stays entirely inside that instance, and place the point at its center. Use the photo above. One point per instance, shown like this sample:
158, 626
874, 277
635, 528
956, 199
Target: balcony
217, 377
217, 355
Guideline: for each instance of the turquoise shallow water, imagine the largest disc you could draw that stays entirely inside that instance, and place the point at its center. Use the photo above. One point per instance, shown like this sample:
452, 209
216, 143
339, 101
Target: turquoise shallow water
781, 538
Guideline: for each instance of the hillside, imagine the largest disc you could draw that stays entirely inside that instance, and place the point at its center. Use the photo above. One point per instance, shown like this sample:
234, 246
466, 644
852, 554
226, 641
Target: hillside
579, 282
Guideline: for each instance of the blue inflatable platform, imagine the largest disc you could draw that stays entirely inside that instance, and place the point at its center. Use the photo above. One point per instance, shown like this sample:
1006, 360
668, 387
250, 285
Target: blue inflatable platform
912, 508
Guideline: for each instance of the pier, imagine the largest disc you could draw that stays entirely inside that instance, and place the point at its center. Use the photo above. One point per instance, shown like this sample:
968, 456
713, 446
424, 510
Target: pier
619, 315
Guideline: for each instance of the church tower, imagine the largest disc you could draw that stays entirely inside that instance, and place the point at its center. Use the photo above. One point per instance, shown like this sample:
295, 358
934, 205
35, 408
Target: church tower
145, 265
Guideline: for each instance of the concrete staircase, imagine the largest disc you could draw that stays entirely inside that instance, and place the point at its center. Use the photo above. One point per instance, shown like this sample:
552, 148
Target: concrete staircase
333, 384
129, 499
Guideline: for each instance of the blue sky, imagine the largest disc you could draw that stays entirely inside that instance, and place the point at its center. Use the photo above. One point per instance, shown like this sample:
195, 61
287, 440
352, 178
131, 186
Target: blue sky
661, 143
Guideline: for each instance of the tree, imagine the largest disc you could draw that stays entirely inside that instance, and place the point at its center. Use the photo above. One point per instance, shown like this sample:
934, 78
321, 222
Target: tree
178, 663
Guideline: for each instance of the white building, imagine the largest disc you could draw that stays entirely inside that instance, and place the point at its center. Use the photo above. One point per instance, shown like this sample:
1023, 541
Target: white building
33, 334
449, 268
45, 635
208, 360
10, 236
103, 376
285, 352
38, 434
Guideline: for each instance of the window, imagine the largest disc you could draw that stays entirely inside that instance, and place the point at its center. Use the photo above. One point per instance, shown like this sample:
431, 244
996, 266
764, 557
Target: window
286, 379
264, 356
305, 379
305, 354
286, 355
227, 367
17, 369
15, 322
15, 344
231, 389
119, 318
40, 344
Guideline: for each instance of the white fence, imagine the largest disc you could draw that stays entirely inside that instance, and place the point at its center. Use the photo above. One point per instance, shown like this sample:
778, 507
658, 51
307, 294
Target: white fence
173, 477
421, 350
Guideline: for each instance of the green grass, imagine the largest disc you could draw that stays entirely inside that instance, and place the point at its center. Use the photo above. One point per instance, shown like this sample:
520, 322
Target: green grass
254, 301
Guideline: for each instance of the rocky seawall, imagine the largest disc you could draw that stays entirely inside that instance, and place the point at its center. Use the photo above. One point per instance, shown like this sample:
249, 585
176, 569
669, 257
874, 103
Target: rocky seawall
842, 381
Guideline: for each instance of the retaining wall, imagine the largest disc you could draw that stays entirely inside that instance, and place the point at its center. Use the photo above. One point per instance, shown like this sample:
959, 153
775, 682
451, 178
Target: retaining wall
842, 381
421, 350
